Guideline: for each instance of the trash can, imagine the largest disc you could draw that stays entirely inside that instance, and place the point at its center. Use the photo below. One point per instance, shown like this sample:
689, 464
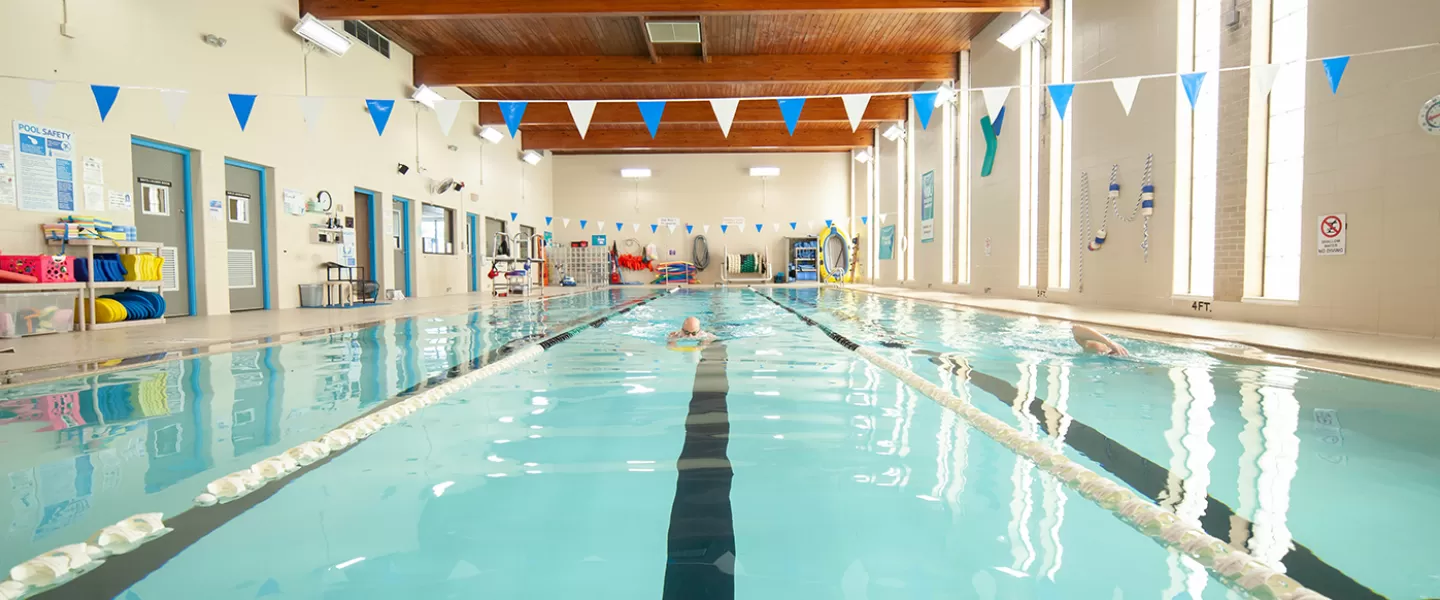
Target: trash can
312, 295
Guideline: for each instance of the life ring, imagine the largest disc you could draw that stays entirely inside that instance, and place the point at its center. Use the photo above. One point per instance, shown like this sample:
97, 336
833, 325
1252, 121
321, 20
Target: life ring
833, 255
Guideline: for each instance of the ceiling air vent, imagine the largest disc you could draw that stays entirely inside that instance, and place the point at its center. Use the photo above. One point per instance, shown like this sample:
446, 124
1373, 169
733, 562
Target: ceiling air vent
674, 32
369, 37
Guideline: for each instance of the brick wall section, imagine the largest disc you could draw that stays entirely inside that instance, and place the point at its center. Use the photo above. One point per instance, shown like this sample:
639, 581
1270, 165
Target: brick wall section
1233, 158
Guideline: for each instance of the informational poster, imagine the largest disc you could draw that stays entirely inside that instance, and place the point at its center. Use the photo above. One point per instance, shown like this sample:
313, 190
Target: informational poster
733, 221
94, 198
121, 201
346, 252
44, 168
1331, 238
7, 159
94, 170
927, 207
599, 240
7, 190
887, 242
668, 221
294, 202
217, 209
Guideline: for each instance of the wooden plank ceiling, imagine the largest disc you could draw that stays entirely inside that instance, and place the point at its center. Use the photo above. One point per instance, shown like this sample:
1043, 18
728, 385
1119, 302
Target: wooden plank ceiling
599, 50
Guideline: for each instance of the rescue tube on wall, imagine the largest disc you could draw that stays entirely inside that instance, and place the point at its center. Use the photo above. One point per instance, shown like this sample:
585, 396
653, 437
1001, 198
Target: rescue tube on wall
833, 255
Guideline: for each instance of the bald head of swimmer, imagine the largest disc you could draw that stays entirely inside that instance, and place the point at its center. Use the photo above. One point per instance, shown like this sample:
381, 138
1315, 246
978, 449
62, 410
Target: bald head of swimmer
691, 326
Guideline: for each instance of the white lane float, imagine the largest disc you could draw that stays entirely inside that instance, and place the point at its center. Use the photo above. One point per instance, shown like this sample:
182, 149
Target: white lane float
67, 562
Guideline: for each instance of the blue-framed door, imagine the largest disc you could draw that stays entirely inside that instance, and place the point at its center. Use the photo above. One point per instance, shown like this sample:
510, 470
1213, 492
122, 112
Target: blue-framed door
370, 219
472, 220
260, 219
184, 290
402, 251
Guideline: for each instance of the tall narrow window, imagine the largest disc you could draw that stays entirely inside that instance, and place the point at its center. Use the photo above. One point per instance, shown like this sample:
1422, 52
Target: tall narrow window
1062, 239
1030, 97
1286, 163
1198, 128
946, 191
962, 188
909, 197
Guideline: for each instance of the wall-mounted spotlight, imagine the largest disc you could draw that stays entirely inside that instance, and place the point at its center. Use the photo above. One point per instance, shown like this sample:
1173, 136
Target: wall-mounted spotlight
426, 96
459, 185
323, 36
1030, 26
531, 156
863, 155
214, 40
764, 171
492, 135
635, 173
944, 94
402, 169
894, 133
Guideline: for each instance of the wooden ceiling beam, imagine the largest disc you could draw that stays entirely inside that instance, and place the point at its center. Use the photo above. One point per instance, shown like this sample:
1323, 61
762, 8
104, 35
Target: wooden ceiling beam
756, 140
750, 111
439, 9
492, 71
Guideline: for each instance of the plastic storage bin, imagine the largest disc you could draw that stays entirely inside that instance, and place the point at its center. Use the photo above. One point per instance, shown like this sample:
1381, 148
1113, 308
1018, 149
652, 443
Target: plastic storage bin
35, 313
46, 269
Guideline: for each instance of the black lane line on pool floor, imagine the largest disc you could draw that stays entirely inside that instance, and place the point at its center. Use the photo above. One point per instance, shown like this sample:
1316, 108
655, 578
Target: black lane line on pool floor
1145, 476
122, 571
700, 558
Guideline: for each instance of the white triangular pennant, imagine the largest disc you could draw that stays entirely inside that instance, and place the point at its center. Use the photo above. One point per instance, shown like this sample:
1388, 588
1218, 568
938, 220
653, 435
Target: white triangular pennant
995, 100
884, 217
174, 101
602, 225
775, 226
707, 228
725, 112
1125, 88
855, 108
445, 112
672, 228
566, 222
809, 224
310, 108
581, 111
40, 92
634, 227
1262, 77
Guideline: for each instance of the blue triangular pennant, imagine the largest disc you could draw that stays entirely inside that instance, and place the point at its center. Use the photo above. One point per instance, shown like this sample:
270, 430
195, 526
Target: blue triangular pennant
924, 105
792, 226
828, 222
242, 104
619, 226
689, 229
790, 109
548, 220
654, 228
724, 228
652, 111
104, 98
513, 112
380, 113
514, 215
865, 220
1334, 70
758, 227
582, 223
1060, 94
1192, 83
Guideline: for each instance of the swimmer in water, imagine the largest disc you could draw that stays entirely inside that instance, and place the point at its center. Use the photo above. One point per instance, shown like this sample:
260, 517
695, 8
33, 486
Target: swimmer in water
1095, 342
690, 330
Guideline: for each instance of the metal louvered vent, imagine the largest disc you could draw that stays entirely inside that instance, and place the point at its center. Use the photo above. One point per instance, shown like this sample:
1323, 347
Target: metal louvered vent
241, 268
170, 269
369, 37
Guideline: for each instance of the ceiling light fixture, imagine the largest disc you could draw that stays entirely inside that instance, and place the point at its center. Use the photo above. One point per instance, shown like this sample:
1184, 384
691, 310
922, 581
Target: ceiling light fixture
532, 157
322, 35
492, 135
1030, 26
764, 171
426, 96
635, 173
863, 156
895, 133
673, 32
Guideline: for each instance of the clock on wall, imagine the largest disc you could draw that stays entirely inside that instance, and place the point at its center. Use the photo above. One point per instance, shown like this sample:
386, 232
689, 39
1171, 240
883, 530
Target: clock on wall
323, 201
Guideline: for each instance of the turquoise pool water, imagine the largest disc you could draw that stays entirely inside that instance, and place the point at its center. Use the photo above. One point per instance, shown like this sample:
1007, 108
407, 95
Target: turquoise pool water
775, 464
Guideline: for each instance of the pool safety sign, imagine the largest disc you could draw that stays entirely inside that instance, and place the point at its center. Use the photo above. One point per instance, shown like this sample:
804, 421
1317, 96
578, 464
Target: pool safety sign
44, 168
1331, 236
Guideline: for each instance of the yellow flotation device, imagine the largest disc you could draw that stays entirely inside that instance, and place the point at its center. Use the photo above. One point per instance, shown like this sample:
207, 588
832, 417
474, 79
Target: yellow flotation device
833, 255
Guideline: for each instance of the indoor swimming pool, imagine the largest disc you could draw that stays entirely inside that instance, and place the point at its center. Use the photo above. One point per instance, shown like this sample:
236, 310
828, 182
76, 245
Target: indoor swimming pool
772, 464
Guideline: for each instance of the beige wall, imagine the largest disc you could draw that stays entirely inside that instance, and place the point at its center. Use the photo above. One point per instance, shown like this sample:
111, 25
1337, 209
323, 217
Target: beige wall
1365, 156
158, 44
701, 189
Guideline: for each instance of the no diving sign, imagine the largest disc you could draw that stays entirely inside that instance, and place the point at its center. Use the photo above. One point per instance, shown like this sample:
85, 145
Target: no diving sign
1332, 234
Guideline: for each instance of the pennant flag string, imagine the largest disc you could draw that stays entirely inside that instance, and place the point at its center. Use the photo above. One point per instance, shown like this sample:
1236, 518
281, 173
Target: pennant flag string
174, 101
513, 113
652, 111
581, 111
1060, 94
1334, 70
924, 107
380, 113
104, 98
1192, 83
790, 109
445, 113
242, 104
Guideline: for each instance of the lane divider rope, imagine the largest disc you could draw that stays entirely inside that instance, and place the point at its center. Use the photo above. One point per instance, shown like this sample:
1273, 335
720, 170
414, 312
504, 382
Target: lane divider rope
1235, 568
64, 564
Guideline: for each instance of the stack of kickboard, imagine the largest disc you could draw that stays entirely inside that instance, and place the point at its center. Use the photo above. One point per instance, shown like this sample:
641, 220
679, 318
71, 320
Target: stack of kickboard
129, 305
120, 267
87, 228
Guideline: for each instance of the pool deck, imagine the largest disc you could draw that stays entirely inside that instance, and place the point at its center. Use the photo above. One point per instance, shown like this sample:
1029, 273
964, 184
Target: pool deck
1409, 361
47, 357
